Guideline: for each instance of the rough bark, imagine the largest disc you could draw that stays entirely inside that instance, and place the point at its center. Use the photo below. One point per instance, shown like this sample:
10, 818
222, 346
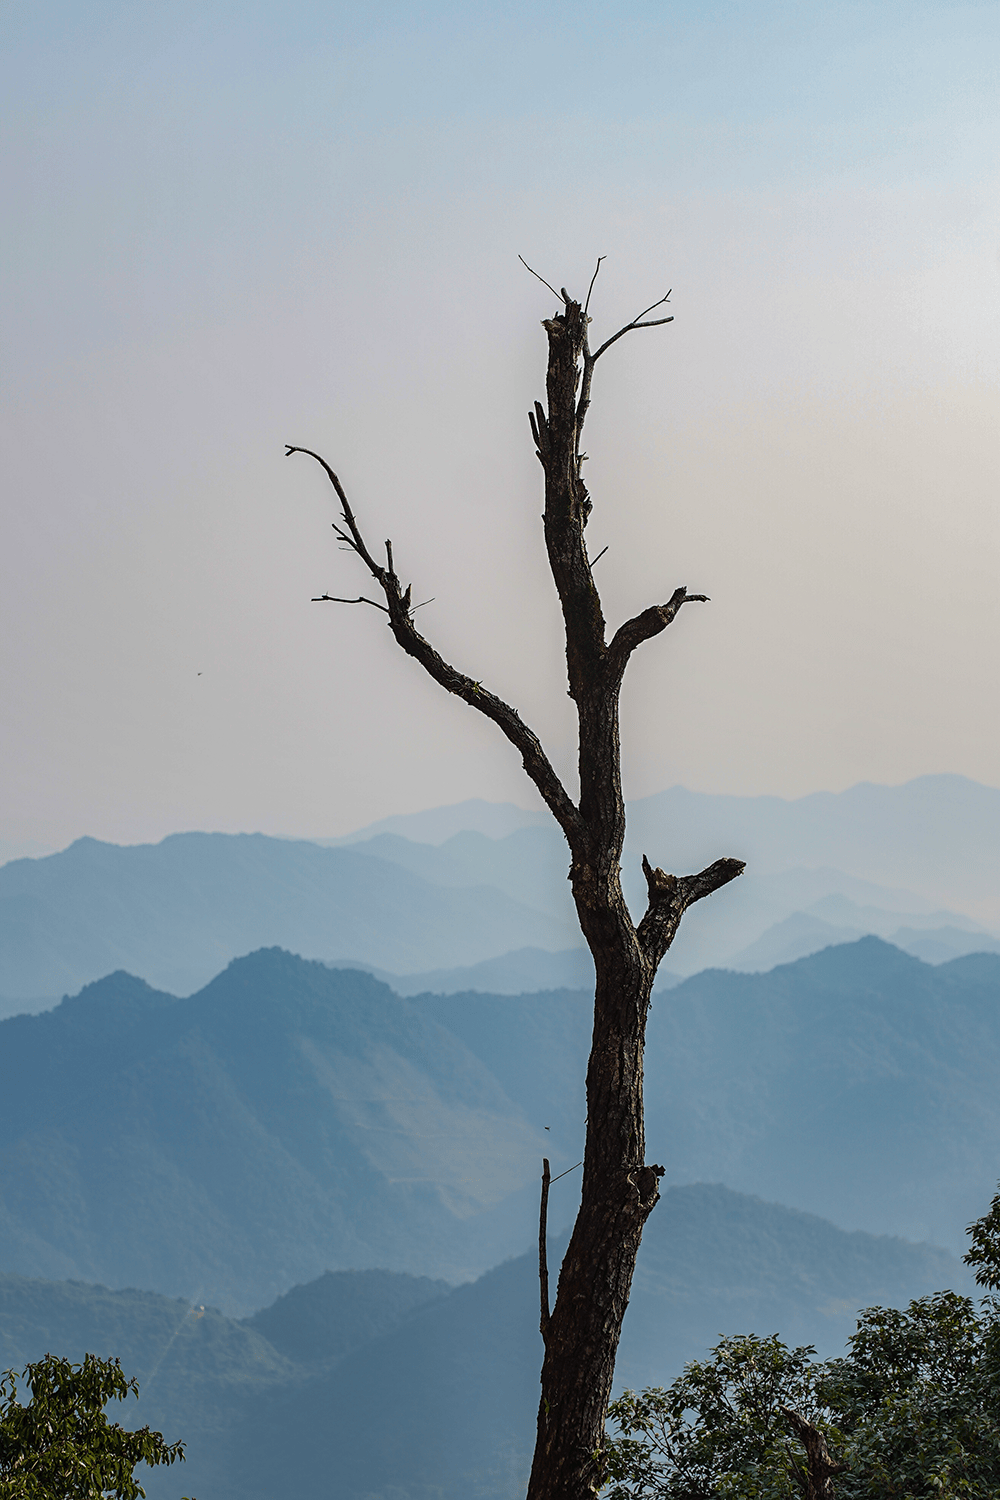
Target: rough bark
816, 1481
619, 1189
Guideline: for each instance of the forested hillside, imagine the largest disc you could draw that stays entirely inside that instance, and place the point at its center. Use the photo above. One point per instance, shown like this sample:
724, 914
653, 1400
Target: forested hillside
285, 1120
370, 1384
290, 1119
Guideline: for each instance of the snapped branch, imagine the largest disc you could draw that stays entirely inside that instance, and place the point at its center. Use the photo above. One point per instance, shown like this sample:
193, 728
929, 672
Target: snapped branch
400, 611
669, 898
643, 626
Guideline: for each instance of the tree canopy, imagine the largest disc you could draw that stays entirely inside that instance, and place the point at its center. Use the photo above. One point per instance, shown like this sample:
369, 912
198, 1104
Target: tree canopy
911, 1410
59, 1445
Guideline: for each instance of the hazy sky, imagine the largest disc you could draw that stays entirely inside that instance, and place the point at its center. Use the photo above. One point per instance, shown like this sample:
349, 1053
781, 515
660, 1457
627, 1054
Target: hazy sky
232, 226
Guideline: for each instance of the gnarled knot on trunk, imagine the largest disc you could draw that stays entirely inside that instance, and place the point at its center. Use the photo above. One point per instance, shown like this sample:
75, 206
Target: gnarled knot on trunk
646, 1181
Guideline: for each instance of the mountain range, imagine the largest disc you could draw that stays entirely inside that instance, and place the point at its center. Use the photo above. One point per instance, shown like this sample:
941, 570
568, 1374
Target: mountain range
369, 1385
286, 1119
476, 896
290, 1118
299, 1164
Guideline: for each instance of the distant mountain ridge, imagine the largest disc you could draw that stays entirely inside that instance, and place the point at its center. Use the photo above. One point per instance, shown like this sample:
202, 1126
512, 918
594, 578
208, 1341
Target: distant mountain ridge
420, 1389
284, 1120
918, 864
289, 1118
178, 911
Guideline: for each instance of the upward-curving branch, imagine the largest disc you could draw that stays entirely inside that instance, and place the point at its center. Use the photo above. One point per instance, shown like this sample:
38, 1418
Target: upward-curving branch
400, 612
619, 1189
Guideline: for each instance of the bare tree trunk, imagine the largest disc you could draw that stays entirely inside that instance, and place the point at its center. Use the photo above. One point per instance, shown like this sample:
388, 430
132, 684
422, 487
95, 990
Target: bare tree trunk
619, 1189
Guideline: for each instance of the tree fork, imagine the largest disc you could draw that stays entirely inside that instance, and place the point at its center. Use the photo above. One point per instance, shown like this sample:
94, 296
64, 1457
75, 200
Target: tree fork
620, 1190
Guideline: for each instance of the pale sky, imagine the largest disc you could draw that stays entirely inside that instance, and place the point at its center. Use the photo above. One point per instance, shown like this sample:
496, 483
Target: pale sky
232, 226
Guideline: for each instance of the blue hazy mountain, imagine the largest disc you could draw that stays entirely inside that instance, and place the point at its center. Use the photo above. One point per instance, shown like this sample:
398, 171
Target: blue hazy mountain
400, 1388
858, 1083
178, 911
436, 824
525, 971
289, 1119
916, 856
285, 1120
456, 887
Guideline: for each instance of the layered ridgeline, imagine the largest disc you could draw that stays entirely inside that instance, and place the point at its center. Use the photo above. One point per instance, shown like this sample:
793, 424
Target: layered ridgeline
371, 1384
482, 889
290, 1119
858, 1083
178, 911
285, 1120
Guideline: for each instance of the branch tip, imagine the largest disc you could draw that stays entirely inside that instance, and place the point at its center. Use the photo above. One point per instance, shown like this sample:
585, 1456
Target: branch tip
593, 278
534, 273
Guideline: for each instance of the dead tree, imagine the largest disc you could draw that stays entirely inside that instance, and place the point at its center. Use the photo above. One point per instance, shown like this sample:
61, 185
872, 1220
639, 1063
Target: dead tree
619, 1189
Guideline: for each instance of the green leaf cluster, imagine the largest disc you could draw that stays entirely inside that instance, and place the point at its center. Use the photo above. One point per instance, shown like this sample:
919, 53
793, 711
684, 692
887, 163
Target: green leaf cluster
59, 1445
718, 1429
912, 1410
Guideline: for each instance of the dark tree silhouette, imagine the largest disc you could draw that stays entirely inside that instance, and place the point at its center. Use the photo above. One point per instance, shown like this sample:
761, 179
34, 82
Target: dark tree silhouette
619, 1189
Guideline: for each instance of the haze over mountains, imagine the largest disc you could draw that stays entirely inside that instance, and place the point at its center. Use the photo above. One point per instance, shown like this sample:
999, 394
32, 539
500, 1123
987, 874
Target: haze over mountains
322, 1154
484, 885
290, 1118
372, 1384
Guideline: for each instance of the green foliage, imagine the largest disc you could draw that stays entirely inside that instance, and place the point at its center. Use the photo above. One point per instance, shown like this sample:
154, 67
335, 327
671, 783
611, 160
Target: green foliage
985, 1251
918, 1400
61, 1446
913, 1410
719, 1429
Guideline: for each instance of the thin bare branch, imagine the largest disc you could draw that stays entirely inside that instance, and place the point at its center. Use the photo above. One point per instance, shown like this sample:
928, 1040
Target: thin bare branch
543, 1254
352, 536
635, 323
658, 303
333, 599
534, 759
600, 554
562, 296
586, 305
590, 360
